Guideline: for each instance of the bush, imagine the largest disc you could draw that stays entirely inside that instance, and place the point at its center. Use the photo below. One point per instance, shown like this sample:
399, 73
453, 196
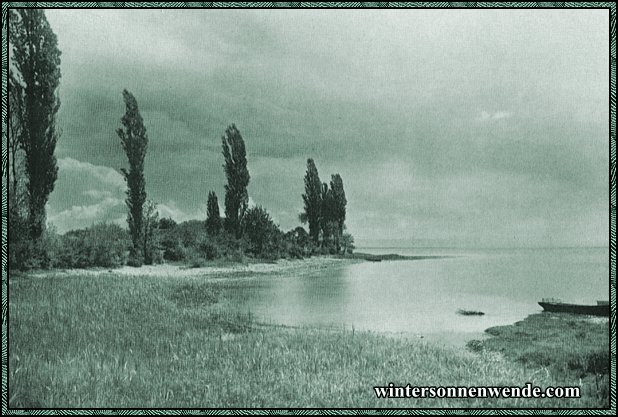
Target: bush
172, 249
236, 255
25, 254
263, 235
19, 245
167, 223
190, 241
103, 245
208, 249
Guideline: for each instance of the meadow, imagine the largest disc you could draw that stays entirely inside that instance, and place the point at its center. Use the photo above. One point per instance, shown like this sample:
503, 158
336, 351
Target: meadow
110, 341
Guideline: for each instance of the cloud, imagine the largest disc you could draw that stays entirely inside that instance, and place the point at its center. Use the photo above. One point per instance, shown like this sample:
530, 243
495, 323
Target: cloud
485, 207
79, 217
98, 194
485, 115
85, 194
171, 210
251, 203
104, 175
353, 90
501, 115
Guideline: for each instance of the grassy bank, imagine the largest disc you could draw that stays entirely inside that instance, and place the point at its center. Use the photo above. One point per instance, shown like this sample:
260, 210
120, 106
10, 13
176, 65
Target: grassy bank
569, 348
118, 341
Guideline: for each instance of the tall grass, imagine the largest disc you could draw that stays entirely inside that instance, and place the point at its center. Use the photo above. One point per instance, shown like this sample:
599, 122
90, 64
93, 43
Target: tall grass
569, 347
122, 342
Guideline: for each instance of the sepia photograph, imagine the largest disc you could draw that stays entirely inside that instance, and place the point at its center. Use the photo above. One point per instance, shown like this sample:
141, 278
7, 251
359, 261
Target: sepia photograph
289, 208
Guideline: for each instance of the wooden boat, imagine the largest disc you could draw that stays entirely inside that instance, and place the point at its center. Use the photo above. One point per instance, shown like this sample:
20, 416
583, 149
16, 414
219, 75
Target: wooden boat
553, 306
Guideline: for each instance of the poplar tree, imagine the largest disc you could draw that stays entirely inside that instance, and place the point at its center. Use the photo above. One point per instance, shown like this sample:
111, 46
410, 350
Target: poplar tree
313, 201
134, 142
327, 220
236, 196
338, 204
35, 72
213, 218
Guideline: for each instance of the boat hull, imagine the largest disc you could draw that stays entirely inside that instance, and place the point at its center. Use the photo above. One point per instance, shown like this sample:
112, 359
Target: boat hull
592, 310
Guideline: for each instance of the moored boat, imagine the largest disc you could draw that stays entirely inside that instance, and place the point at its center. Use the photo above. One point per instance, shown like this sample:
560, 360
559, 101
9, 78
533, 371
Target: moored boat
600, 309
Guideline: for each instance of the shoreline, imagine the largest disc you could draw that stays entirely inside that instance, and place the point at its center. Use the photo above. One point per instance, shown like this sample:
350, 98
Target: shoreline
218, 267
156, 335
221, 272
217, 270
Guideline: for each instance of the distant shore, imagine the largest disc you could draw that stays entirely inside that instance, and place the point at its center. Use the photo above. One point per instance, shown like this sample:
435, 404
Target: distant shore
392, 257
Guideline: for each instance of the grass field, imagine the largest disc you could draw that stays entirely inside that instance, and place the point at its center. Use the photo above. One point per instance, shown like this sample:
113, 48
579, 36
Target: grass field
109, 341
569, 347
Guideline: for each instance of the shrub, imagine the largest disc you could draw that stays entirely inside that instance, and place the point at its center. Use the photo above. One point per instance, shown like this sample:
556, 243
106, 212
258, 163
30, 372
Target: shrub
190, 232
103, 245
172, 249
208, 249
263, 235
236, 255
190, 241
347, 243
41, 253
19, 246
167, 223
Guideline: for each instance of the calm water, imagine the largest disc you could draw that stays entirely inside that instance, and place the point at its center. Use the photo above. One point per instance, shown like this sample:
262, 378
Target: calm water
421, 297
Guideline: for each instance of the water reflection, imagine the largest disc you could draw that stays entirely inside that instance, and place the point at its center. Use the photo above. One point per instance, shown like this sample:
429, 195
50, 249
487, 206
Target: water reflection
422, 297
313, 298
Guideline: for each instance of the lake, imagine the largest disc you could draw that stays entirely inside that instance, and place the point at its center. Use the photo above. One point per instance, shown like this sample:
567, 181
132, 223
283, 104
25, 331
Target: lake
422, 297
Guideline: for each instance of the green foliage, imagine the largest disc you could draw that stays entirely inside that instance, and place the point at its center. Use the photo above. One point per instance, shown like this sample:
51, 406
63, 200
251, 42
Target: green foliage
16, 173
298, 243
173, 250
332, 214
167, 223
326, 219
17, 239
209, 249
25, 253
190, 242
213, 218
337, 210
325, 210
35, 79
102, 245
41, 253
262, 233
347, 243
312, 200
236, 197
134, 142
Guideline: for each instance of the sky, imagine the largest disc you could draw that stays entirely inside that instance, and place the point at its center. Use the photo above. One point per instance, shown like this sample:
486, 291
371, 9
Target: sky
483, 128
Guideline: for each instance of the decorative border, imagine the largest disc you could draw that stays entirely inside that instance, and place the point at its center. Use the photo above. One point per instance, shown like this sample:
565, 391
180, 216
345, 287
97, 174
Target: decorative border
612, 206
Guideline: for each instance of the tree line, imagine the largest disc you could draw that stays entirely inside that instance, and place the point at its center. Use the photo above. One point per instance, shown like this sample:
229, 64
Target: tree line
34, 77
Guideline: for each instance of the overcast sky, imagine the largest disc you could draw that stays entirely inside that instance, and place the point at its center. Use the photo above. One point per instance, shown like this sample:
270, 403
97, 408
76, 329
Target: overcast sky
448, 127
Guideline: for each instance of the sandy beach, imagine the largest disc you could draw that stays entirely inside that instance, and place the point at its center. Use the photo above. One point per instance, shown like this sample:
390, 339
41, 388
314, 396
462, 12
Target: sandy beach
214, 272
